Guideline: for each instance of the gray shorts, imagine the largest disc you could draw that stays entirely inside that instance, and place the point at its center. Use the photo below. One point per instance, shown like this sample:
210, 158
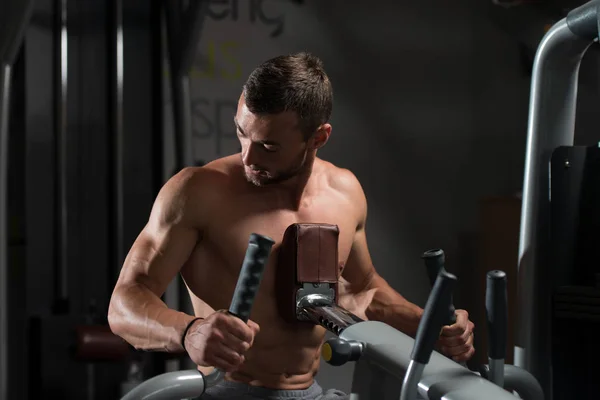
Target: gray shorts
240, 391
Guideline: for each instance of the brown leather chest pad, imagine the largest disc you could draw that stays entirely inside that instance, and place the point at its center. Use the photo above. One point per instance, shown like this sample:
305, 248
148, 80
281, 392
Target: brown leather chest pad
308, 253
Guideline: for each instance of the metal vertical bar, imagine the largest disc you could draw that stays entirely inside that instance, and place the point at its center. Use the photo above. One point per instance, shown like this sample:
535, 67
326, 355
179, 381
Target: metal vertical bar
14, 21
158, 82
5, 80
551, 124
61, 304
117, 103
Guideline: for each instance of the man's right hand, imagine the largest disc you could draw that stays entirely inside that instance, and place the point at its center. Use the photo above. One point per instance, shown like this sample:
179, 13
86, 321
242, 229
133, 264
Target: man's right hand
221, 341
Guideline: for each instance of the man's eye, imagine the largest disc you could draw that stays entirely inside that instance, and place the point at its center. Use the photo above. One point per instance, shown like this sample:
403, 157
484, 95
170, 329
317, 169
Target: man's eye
270, 148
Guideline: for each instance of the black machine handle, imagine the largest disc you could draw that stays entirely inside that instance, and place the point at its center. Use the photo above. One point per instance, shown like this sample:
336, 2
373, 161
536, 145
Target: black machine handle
434, 317
257, 255
497, 313
435, 259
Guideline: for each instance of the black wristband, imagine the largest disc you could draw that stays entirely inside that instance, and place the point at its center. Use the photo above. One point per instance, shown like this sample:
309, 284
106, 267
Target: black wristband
185, 331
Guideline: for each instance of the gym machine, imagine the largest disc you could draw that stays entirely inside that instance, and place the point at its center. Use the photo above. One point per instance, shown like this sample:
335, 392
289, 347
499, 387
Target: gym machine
389, 363
555, 271
79, 149
14, 19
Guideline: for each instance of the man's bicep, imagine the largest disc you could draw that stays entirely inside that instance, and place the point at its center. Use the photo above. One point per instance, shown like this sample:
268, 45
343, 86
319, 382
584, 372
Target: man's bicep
359, 270
165, 243
156, 257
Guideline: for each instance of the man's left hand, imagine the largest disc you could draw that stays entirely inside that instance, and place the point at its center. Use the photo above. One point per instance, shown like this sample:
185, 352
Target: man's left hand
456, 341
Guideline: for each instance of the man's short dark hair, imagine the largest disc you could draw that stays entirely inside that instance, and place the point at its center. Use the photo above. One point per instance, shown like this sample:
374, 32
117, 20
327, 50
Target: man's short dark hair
295, 82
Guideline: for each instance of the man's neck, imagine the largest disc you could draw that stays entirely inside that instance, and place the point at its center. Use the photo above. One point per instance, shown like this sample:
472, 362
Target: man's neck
295, 189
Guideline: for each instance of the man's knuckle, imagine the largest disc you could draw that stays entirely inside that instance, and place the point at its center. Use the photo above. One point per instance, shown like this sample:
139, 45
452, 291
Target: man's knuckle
215, 337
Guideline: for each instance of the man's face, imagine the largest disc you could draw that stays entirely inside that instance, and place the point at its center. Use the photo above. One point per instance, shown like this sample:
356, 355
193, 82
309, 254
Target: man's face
273, 146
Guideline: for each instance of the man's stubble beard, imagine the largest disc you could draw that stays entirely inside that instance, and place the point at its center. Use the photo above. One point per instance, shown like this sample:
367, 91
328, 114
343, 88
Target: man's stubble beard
280, 176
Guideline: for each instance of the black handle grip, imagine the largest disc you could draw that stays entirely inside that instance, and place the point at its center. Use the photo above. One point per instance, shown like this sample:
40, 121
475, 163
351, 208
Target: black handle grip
435, 259
434, 317
496, 308
257, 255
434, 262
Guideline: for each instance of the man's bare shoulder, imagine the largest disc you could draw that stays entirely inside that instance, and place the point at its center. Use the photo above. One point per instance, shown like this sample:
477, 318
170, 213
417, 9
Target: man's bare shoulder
228, 165
216, 175
198, 187
345, 182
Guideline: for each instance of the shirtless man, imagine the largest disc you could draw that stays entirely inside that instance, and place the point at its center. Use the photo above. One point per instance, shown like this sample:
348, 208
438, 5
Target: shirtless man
200, 224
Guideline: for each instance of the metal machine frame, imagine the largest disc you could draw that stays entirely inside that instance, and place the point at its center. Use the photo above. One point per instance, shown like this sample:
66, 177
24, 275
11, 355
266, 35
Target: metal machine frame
551, 124
389, 364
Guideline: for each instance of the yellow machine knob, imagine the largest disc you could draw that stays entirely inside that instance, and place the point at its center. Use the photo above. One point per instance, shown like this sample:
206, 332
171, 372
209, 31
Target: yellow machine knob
336, 351
326, 352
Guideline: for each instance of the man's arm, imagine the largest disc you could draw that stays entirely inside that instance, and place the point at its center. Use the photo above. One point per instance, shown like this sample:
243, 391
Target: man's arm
360, 279
136, 311
386, 304
368, 291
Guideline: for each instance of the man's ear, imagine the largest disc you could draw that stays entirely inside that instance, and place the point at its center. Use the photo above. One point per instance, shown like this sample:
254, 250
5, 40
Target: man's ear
321, 136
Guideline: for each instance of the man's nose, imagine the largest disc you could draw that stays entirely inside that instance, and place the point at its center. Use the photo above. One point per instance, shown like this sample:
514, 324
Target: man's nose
250, 154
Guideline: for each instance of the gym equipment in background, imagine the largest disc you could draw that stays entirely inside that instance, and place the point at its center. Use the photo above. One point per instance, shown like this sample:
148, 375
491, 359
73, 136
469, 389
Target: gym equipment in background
549, 263
575, 288
14, 19
83, 152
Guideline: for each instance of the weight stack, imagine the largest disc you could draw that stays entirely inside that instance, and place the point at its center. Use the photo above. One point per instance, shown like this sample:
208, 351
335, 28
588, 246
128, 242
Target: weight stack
573, 269
576, 320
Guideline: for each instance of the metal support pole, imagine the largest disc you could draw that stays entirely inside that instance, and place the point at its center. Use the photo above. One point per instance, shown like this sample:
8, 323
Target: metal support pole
551, 124
14, 20
117, 127
5, 79
61, 295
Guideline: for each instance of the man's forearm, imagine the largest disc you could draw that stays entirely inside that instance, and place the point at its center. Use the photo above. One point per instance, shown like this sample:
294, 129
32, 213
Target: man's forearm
144, 321
390, 307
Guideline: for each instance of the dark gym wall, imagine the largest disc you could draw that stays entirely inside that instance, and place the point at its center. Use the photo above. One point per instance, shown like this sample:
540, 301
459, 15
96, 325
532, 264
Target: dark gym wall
430, 113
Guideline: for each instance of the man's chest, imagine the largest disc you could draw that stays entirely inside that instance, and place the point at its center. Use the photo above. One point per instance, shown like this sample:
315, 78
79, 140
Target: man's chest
231, 231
